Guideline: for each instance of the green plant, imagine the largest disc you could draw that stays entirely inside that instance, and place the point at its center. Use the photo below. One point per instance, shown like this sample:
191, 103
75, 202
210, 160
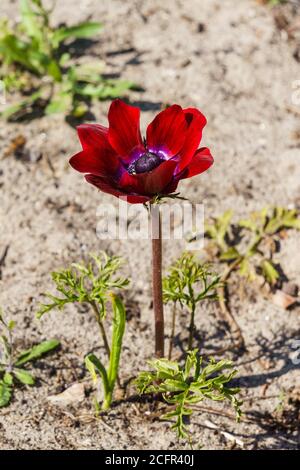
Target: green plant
185, 386
36, 61
247, 248
95, 283
12, 361
94, 365
187, 284
276, 2
253, 251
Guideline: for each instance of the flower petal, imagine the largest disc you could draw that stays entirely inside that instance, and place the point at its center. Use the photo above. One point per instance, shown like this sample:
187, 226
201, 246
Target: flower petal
172, 186
107, 187
92, 135
200, 162
167, 132
97, 157
124, 132
196, 122
99, 162
150, 183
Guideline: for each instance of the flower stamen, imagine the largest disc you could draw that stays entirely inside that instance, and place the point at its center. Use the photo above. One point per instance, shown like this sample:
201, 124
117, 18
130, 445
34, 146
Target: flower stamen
147, 162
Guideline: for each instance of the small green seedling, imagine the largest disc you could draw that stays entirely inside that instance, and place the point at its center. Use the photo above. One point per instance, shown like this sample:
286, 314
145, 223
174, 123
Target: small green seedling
185, 386
95, 283
187, 284
247, 248
12, 361
252, 251
94, 365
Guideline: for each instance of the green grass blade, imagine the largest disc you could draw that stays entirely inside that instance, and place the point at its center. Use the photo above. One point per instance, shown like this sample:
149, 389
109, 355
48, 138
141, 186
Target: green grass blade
83, 30
119, 320
37, 351
94, 365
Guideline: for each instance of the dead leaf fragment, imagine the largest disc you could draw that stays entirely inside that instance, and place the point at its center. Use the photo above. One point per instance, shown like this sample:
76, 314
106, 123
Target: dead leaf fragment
290, 288
71, 396
226, 434
16, 145
283, 300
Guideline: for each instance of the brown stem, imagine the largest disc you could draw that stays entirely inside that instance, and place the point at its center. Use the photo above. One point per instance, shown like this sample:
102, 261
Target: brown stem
228, 316
172, 331
226, 414
102, 330
157, 280
192, 328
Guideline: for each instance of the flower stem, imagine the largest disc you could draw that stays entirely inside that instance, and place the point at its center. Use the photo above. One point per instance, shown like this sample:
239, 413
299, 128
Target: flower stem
107, 401
157, 279
101, 328
225, 310
192, 328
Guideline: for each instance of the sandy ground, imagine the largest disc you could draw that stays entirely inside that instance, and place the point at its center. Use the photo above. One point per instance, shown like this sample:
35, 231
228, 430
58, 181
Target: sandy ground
228, 59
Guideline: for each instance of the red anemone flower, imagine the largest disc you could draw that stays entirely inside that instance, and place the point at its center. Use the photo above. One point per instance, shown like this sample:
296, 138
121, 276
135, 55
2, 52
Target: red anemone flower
118, 161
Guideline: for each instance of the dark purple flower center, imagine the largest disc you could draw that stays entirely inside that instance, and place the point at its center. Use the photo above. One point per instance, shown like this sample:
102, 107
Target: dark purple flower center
147, 162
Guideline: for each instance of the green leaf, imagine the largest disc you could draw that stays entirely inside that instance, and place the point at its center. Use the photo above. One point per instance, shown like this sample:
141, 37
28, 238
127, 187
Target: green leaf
64, 58
22, 105
79, 110
248, 224
94, 365
82, 30
59, 104
5, 393
179, 413
6, 345
246, 270
214, 367
276, 2
30, 22
8, 378
89, 72
219, 228
54, 70
164, 365
282, 218
114, 90
91, 362
231, 254
13, 49
88, 282
143, 382
170, 385
24, 376
119, 321
269, 271
190, 282
11, 325
295, 223
224, 221
37, 351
